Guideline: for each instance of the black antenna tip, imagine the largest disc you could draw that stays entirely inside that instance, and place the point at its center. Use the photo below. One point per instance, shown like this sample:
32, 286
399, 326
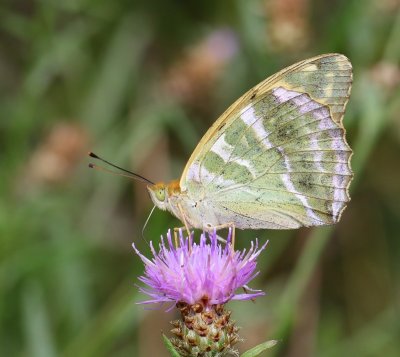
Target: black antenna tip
91, 154
91, 166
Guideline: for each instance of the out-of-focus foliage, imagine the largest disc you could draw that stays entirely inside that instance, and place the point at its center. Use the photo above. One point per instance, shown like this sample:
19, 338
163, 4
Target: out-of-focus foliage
139, 82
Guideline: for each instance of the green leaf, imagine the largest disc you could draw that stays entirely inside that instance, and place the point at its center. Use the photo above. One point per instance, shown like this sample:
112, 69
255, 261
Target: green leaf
255, 351
170, 347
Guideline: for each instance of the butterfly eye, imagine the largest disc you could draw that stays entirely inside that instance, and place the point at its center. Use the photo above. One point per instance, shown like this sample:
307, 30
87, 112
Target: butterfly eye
160, 194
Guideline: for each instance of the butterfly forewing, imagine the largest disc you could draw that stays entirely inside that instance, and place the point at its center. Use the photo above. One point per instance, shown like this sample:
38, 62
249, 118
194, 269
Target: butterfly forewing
278, 157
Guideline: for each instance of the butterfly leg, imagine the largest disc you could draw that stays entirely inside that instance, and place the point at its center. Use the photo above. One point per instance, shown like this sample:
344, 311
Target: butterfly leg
246, 291
176, 231
184, 220
223, 226
186, 225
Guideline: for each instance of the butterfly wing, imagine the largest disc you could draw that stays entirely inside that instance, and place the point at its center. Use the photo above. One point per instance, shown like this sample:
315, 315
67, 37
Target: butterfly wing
278, 158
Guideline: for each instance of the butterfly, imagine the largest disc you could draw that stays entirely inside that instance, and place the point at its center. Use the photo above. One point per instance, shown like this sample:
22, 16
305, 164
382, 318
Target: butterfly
277, 158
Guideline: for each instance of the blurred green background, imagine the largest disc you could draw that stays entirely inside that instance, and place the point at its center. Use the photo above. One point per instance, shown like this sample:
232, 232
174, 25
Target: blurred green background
139, 83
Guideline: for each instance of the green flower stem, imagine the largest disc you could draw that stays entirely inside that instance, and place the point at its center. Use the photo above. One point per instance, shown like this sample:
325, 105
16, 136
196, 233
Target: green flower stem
171, 349
255, 351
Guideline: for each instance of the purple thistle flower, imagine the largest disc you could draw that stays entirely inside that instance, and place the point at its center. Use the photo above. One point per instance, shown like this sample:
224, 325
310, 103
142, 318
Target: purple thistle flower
206, 273
199, 278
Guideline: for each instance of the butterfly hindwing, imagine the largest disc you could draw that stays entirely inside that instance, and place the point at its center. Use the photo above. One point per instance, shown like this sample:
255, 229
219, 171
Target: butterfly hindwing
278, 157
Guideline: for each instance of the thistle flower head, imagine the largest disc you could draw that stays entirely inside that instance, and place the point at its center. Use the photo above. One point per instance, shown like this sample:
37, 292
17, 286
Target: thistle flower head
205, 273
199, 278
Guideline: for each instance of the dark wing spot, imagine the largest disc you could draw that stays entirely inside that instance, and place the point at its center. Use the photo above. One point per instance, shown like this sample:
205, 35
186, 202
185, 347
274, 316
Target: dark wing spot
305, 181
282, 133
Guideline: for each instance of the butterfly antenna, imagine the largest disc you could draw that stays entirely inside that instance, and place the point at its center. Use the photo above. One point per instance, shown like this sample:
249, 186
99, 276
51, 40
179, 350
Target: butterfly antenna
131, 174
145, 224
101, 168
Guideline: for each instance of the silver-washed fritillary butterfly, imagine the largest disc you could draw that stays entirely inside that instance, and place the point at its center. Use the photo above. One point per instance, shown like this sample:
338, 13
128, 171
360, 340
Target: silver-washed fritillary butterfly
276, 158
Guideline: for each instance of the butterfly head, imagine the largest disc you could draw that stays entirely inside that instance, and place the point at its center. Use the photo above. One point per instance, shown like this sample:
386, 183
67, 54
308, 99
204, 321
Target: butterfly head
159, 195
161, 192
